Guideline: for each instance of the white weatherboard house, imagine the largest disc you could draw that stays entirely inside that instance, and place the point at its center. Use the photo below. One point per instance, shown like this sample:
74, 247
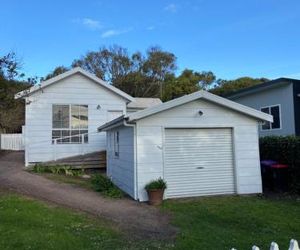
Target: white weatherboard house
201, 144
71, 106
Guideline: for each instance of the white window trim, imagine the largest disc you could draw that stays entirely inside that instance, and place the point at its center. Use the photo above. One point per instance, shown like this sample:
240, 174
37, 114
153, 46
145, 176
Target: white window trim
280, 119
70, 119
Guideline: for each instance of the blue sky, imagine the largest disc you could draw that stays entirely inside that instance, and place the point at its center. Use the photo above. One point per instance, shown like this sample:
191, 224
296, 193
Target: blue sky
232, 38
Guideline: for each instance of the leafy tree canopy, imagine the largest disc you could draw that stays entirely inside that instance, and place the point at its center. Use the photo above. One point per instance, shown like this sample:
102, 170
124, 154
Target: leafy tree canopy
187, 82
226, 87
152, 74
57, 71
11, 110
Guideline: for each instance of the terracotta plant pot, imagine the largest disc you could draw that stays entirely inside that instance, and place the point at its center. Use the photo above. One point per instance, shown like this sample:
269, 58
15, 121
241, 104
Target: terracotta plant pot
155, 196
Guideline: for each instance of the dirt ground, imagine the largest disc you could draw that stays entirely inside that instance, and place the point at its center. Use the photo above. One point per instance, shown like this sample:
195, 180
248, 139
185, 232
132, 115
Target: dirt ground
138, 219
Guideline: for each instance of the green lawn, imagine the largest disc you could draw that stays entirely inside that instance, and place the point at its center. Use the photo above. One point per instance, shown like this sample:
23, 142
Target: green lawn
239, 222
28, 224
204, 223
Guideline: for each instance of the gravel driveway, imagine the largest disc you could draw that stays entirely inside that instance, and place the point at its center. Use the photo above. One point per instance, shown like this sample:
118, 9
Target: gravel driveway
139, 219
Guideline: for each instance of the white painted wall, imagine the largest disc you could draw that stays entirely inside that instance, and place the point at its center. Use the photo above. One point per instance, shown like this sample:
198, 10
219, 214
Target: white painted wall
121, 169
150, 142
76, 89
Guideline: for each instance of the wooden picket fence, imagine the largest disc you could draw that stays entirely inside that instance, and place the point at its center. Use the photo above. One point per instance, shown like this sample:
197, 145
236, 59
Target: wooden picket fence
274, 246
11, 142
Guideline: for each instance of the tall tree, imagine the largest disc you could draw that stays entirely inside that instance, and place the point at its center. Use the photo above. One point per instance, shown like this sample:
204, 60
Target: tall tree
187, 82
11, 110
9, 66
136, 74
107, 63
226, 87
57, 71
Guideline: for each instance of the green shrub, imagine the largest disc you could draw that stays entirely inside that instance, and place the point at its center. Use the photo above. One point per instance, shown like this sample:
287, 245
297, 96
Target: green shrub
156, 184
105, 186
40, 169
56, 169
285, 150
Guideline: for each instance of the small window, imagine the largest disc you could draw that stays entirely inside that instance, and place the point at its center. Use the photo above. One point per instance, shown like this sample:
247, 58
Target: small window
275, 112
116, 144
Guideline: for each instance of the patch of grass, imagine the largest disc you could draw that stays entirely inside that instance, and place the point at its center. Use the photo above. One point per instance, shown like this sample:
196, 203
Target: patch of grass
57, 169
239, 222
105, 186
98, 183
28, 224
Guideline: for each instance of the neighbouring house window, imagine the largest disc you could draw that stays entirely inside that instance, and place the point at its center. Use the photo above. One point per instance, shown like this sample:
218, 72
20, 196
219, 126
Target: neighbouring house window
70, 121
276, 113
116, 144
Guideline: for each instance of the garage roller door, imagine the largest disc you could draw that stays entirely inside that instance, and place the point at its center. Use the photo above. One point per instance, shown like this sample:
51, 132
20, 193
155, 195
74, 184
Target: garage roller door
198, 162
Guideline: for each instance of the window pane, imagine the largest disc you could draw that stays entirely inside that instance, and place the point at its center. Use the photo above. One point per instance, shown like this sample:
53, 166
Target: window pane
276, 117
55, 134
83, 116
66, 133
86, 136
75, 136
60, 116
116, 143
75, 123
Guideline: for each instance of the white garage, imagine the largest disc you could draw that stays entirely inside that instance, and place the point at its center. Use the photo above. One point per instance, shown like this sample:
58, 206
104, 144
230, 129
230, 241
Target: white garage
201, 144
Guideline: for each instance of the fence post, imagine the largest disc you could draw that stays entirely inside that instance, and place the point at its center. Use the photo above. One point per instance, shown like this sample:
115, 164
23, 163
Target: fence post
274, 246
294, 245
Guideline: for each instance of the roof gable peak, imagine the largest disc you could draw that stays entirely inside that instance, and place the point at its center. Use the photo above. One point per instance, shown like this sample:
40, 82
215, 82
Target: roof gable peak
69, 73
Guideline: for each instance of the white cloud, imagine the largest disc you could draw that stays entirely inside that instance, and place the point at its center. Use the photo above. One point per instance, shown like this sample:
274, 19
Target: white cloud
172, 7
114, 32
89, 23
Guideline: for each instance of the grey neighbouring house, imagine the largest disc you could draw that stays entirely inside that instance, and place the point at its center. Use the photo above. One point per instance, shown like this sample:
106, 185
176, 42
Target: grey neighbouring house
201, 144
280, 98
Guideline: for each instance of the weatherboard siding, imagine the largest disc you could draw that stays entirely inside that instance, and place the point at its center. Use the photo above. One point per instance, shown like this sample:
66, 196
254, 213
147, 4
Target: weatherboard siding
121, 169
150, 142
75, 89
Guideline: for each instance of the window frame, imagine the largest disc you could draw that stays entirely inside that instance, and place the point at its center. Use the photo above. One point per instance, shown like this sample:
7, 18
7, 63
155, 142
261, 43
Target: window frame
70, 129
280, 119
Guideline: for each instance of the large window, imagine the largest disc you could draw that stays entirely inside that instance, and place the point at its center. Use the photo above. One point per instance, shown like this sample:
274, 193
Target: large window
71, 122
276, 113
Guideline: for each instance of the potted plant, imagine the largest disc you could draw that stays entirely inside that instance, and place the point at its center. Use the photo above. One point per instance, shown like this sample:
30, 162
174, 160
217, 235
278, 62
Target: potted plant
155, 190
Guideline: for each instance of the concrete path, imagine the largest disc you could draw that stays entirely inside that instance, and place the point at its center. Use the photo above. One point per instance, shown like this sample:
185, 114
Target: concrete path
138, 219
